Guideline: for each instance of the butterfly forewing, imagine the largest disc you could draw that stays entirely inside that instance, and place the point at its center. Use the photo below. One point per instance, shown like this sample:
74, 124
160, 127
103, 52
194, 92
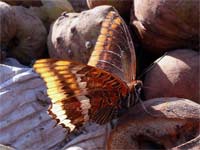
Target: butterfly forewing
80, 92
114, 50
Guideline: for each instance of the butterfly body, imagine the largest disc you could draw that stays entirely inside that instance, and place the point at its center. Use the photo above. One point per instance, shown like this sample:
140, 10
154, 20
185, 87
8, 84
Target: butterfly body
96, 91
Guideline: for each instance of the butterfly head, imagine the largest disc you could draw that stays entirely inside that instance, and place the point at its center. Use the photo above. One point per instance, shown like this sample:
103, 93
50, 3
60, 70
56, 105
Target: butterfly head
132, 98
135, 91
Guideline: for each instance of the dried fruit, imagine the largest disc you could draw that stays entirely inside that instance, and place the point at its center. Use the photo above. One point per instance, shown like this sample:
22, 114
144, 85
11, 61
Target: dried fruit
51, 10
164, 25
123, 7
161, 123
29, 42
174, 75
79, 5
7, 23
73, 35
25, 3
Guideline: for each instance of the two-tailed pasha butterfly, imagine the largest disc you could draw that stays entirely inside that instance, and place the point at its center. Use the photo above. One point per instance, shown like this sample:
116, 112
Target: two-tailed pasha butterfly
96, 91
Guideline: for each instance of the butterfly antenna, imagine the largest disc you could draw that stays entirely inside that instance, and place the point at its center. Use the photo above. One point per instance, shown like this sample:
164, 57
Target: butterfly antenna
151, 66
138, 91
138, 99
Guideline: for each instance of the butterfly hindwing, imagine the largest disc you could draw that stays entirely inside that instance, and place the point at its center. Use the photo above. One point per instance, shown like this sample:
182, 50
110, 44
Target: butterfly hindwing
80, 92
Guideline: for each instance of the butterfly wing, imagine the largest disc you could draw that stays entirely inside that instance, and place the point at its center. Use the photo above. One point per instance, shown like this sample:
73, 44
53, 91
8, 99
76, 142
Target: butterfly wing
114, 50
80, 92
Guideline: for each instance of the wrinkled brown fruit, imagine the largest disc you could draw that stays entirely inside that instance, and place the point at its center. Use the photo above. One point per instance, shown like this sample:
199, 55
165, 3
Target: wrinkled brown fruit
123, 6
163, 124
164, 25
2, 56
51, 10
30, 39
25, 3
79, 5
73, 35
7, 23
174, 75
193, 144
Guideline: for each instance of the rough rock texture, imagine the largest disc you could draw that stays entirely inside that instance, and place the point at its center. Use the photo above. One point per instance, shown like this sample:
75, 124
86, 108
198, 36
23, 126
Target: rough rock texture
7, 24
157, 123
174, 75
29, 42
73, 34
166, 24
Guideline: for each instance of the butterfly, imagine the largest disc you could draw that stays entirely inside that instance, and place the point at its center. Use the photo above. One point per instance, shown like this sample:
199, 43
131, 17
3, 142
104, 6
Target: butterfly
96, 91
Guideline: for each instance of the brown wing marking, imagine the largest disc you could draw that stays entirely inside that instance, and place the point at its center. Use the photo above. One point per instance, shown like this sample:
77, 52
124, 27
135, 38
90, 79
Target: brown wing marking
104, 115
78, 91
